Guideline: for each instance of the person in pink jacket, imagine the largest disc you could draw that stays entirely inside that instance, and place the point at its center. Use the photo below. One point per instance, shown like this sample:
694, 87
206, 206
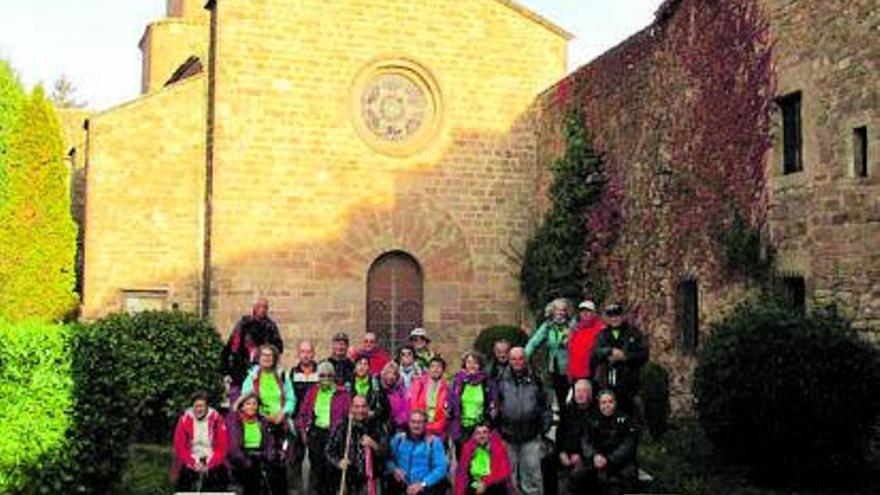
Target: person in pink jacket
200, 442
429, 393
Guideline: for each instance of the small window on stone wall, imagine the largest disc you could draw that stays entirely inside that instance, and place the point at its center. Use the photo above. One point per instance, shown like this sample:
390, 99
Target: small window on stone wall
792, 134
687, 316
794, 290
860, 151
137, 301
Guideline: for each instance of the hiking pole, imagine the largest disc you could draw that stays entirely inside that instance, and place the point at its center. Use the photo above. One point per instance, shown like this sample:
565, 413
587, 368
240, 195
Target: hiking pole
453, 462
200, 482
202, 474
345, 452
371, 481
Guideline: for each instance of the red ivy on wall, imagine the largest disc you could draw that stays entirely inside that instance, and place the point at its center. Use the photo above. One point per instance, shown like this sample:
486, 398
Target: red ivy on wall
682, 111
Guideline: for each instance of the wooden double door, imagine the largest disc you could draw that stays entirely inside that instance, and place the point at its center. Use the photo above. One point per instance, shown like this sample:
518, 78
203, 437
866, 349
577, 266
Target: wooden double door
395, 305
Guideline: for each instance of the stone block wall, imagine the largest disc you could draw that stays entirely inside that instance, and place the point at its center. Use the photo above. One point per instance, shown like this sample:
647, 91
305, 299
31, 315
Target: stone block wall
303, 205
167, 44
822, 221
145, 195
825, 220
74, 134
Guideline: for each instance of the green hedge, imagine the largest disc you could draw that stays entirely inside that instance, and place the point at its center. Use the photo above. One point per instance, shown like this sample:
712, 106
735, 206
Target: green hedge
655, 396
124, 378
37, 233
788, 393
167, 356
35, 397
488, 336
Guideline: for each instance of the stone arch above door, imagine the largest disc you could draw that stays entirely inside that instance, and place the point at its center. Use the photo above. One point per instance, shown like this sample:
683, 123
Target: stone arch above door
414, 225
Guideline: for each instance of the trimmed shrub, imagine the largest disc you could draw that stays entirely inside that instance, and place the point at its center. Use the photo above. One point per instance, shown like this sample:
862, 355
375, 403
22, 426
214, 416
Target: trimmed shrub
788, 393
655, 394
488, 336
36, 390
38, 241
168, 355
131, 377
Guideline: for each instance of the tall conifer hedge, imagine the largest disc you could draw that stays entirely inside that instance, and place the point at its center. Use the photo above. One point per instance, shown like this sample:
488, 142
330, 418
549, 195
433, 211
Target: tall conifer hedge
37, 233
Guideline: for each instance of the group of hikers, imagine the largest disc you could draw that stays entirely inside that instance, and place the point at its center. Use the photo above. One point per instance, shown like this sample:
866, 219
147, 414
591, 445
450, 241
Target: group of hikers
370, 422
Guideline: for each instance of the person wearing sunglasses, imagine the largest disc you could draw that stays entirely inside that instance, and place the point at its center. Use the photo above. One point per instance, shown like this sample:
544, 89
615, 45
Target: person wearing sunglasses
324, 409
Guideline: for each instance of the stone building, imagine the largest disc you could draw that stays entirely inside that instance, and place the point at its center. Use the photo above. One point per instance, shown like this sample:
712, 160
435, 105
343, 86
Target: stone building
380, 164
822, 172
360, 163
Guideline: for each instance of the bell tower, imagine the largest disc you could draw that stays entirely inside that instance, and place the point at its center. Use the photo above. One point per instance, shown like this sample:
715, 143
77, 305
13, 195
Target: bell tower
190, 9
170, 43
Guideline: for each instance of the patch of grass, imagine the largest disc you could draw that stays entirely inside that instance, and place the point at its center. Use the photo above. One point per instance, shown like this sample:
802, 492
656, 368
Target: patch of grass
148, 471
684, 462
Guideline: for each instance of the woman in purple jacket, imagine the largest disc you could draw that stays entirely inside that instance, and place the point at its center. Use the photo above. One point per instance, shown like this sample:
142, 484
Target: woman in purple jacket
251, 446
471, 400
395, 395
323, 410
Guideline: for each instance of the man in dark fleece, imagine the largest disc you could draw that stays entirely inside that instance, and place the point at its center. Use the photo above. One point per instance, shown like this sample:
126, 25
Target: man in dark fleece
618, 357
609, 449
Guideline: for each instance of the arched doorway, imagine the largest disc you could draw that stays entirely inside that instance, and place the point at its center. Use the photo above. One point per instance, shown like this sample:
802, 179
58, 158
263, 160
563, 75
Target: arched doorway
394, 298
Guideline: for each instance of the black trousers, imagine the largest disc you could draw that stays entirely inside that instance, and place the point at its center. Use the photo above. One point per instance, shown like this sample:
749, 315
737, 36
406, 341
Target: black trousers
262, 477
560, 388
323, 478
294, 464
496, 489
394, 487
277, 472
254, 478
617, 481
214, 480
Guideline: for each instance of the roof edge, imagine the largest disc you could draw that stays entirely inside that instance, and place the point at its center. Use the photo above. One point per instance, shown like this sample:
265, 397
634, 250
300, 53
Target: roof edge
164, 90
537, 18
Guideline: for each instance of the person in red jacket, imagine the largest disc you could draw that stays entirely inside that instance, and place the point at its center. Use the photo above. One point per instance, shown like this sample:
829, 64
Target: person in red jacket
370, 348
484, 468
200, 442
428, 394
582, 341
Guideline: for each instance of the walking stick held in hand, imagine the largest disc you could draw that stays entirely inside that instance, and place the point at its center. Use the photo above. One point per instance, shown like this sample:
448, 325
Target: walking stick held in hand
345, 452
453, 461
371, 480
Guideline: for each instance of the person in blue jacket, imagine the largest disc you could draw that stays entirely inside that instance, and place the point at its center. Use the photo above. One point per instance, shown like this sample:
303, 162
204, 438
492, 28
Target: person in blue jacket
417, 463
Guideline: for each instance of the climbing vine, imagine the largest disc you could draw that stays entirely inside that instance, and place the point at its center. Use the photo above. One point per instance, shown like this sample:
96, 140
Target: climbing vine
682, 112
553, 264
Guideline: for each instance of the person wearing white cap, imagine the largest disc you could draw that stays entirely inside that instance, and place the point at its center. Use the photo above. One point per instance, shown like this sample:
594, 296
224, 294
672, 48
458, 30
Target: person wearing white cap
419, 340
582, 341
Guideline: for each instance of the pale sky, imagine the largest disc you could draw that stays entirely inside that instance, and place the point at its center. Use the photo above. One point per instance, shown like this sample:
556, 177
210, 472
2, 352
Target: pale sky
94, 42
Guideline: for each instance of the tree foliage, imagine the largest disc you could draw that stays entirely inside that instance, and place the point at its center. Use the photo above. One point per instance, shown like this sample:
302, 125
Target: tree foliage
553, 263
487, 337
37, 233
11, 99
124, 377
64, 93
36, 388
787, 392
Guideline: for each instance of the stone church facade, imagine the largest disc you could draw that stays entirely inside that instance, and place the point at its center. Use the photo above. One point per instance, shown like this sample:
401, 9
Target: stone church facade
360, 163
381, 163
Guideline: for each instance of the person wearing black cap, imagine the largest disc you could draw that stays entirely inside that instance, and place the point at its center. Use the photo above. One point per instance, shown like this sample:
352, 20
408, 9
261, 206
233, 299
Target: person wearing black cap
618, 357
339, 359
